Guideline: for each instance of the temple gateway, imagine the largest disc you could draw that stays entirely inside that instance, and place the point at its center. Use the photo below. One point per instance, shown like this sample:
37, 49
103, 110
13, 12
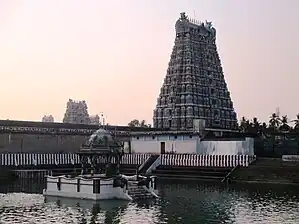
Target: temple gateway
194, 89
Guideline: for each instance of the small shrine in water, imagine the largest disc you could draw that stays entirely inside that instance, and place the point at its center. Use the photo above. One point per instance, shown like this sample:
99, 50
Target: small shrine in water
98, 182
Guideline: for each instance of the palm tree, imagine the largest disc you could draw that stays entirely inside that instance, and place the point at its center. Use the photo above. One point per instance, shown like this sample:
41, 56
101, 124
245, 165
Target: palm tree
264, 126
244, 124
274, 122
263, 130
296, 121
284, 127
255, 125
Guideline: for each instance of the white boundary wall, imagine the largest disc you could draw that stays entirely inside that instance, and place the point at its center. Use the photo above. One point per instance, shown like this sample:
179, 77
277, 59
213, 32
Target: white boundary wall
188, 145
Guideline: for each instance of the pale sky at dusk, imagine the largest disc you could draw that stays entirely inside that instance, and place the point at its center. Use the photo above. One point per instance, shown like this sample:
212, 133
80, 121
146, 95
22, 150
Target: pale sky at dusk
114, 54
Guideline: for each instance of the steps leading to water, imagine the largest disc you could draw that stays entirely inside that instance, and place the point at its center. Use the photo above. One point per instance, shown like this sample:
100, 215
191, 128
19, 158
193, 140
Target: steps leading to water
138, 192
128, 169
144, 167
191, 173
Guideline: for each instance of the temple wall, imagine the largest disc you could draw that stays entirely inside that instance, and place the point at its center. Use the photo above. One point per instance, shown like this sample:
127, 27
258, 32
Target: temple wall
145, 146
235, 147
193, 146
152, 144
13, 143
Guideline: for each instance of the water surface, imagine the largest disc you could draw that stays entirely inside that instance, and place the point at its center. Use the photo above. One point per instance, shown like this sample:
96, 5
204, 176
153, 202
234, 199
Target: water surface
187, 203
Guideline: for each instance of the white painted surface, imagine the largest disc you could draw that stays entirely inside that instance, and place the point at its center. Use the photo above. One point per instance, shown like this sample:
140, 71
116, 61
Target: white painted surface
20, 159
139, 146
182, 146
69, 189
126, 147
106, 205
187, 145
245, 147
195, 160
290, 158
171, 145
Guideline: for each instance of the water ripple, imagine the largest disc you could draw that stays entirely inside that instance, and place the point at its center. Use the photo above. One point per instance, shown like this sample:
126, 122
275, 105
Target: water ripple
187, 203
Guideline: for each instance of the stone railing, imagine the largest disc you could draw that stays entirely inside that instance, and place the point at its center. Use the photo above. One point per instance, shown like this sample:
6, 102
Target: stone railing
34, 159
154, 165
206, 160
133, 159
28, 159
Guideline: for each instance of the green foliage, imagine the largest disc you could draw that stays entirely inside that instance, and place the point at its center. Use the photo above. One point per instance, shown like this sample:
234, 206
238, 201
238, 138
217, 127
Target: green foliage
137, 123
275, 124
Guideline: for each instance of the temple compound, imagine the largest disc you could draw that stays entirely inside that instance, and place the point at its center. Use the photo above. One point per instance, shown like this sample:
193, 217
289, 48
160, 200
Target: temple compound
194, 88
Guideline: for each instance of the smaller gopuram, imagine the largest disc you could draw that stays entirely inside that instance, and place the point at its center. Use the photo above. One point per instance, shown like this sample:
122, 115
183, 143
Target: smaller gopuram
48, 119
76, 112
194, 88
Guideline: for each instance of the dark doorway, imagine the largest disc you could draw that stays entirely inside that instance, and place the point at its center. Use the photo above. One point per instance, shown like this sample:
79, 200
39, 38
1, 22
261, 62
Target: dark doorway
162, 148
169, 123
96, 186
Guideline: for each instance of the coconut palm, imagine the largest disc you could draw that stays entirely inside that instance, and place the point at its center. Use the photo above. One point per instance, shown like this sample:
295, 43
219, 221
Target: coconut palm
244, 124
296, 122
274, 121
264, 126
284, 127
255, 124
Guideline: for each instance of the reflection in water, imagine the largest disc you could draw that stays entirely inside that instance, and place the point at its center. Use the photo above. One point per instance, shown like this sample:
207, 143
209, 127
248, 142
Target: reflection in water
208, 203
189, 203
278, 204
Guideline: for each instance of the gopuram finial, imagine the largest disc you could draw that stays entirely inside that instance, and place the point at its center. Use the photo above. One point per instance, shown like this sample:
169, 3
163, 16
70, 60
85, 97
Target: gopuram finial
208, 24
183, 16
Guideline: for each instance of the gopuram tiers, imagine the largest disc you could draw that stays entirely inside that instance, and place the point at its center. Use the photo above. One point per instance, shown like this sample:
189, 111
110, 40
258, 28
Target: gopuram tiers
194, 87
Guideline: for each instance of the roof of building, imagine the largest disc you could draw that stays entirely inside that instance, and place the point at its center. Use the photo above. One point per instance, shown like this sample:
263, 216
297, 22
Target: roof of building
56, 125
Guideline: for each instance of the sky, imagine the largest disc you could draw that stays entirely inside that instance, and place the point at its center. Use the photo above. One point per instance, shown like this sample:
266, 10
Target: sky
114, 54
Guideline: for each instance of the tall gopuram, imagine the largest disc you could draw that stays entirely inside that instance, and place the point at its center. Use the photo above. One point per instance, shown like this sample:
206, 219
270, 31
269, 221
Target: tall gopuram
194, 88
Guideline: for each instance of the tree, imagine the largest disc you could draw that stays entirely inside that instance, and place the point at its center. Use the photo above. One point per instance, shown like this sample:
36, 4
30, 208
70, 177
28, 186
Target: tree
296, 122
134, 123
296, 130
274, 122
264, 127
142, 123
284, 127
250, 126
255, 125
137, 123
244, 124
